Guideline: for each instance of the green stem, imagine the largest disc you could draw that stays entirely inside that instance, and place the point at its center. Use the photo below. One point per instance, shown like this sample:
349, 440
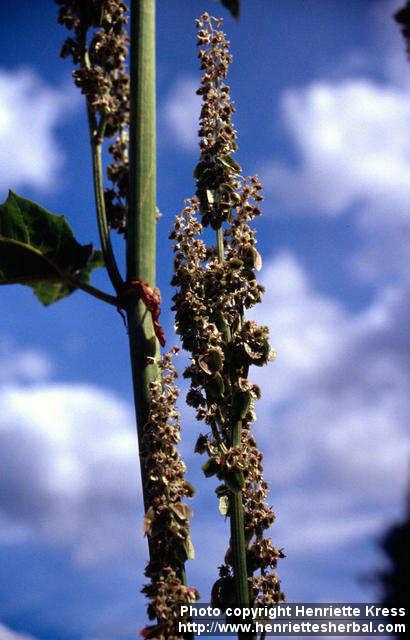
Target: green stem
141, 223
93, 291
220, 244
78, 284
96, 132
238, 542
226, 330
142, 218
103, 228
236, 515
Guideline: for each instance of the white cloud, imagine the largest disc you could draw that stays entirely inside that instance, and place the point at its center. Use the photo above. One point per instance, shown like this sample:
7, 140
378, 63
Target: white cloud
338, 401
353, 154
334, 416
26, 365
350, 137
338, 394
29, 112
69, 468
8, 634
181, 112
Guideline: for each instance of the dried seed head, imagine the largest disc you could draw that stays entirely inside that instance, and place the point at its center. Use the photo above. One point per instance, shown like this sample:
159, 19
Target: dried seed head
99, 48
212, 293
167, 519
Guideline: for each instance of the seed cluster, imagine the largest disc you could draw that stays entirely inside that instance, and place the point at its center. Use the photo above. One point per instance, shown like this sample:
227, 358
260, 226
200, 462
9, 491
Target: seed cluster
215, 285
99, 50
166, 522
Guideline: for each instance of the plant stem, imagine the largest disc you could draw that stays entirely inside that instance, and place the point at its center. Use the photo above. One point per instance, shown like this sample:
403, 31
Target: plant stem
104, 231
236, 516
142, 219
141, 227
238, 534
93, 291
220, 244
96, 131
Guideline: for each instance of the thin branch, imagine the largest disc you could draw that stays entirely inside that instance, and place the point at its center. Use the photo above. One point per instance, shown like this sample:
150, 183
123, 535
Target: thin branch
103, 228
78, 284
92, 291
96, 132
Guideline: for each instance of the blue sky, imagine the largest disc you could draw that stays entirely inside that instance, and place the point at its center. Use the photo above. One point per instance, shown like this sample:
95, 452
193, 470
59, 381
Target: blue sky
322, 90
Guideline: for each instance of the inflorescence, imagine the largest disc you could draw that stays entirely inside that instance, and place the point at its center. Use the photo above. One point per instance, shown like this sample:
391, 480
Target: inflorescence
215, 285
166, 522
99, 49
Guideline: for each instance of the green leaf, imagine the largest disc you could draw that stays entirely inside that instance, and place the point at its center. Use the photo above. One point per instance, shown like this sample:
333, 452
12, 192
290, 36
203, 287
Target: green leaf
49, 292
233, 6
38, 249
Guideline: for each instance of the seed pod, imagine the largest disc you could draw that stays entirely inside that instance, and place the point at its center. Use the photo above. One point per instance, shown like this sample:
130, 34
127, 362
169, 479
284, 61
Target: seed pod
215, 386
210, 468
241, 404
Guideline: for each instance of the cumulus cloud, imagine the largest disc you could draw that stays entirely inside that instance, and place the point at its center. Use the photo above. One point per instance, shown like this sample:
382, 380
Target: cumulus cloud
69, 468
350, 139
338, 400
181, 112
8, 634
338, 394
352, 155
29, 111
26, 365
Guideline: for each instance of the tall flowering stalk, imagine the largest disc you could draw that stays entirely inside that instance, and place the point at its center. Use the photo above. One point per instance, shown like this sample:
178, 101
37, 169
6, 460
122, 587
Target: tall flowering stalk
122, 108
167, 519
215, 286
